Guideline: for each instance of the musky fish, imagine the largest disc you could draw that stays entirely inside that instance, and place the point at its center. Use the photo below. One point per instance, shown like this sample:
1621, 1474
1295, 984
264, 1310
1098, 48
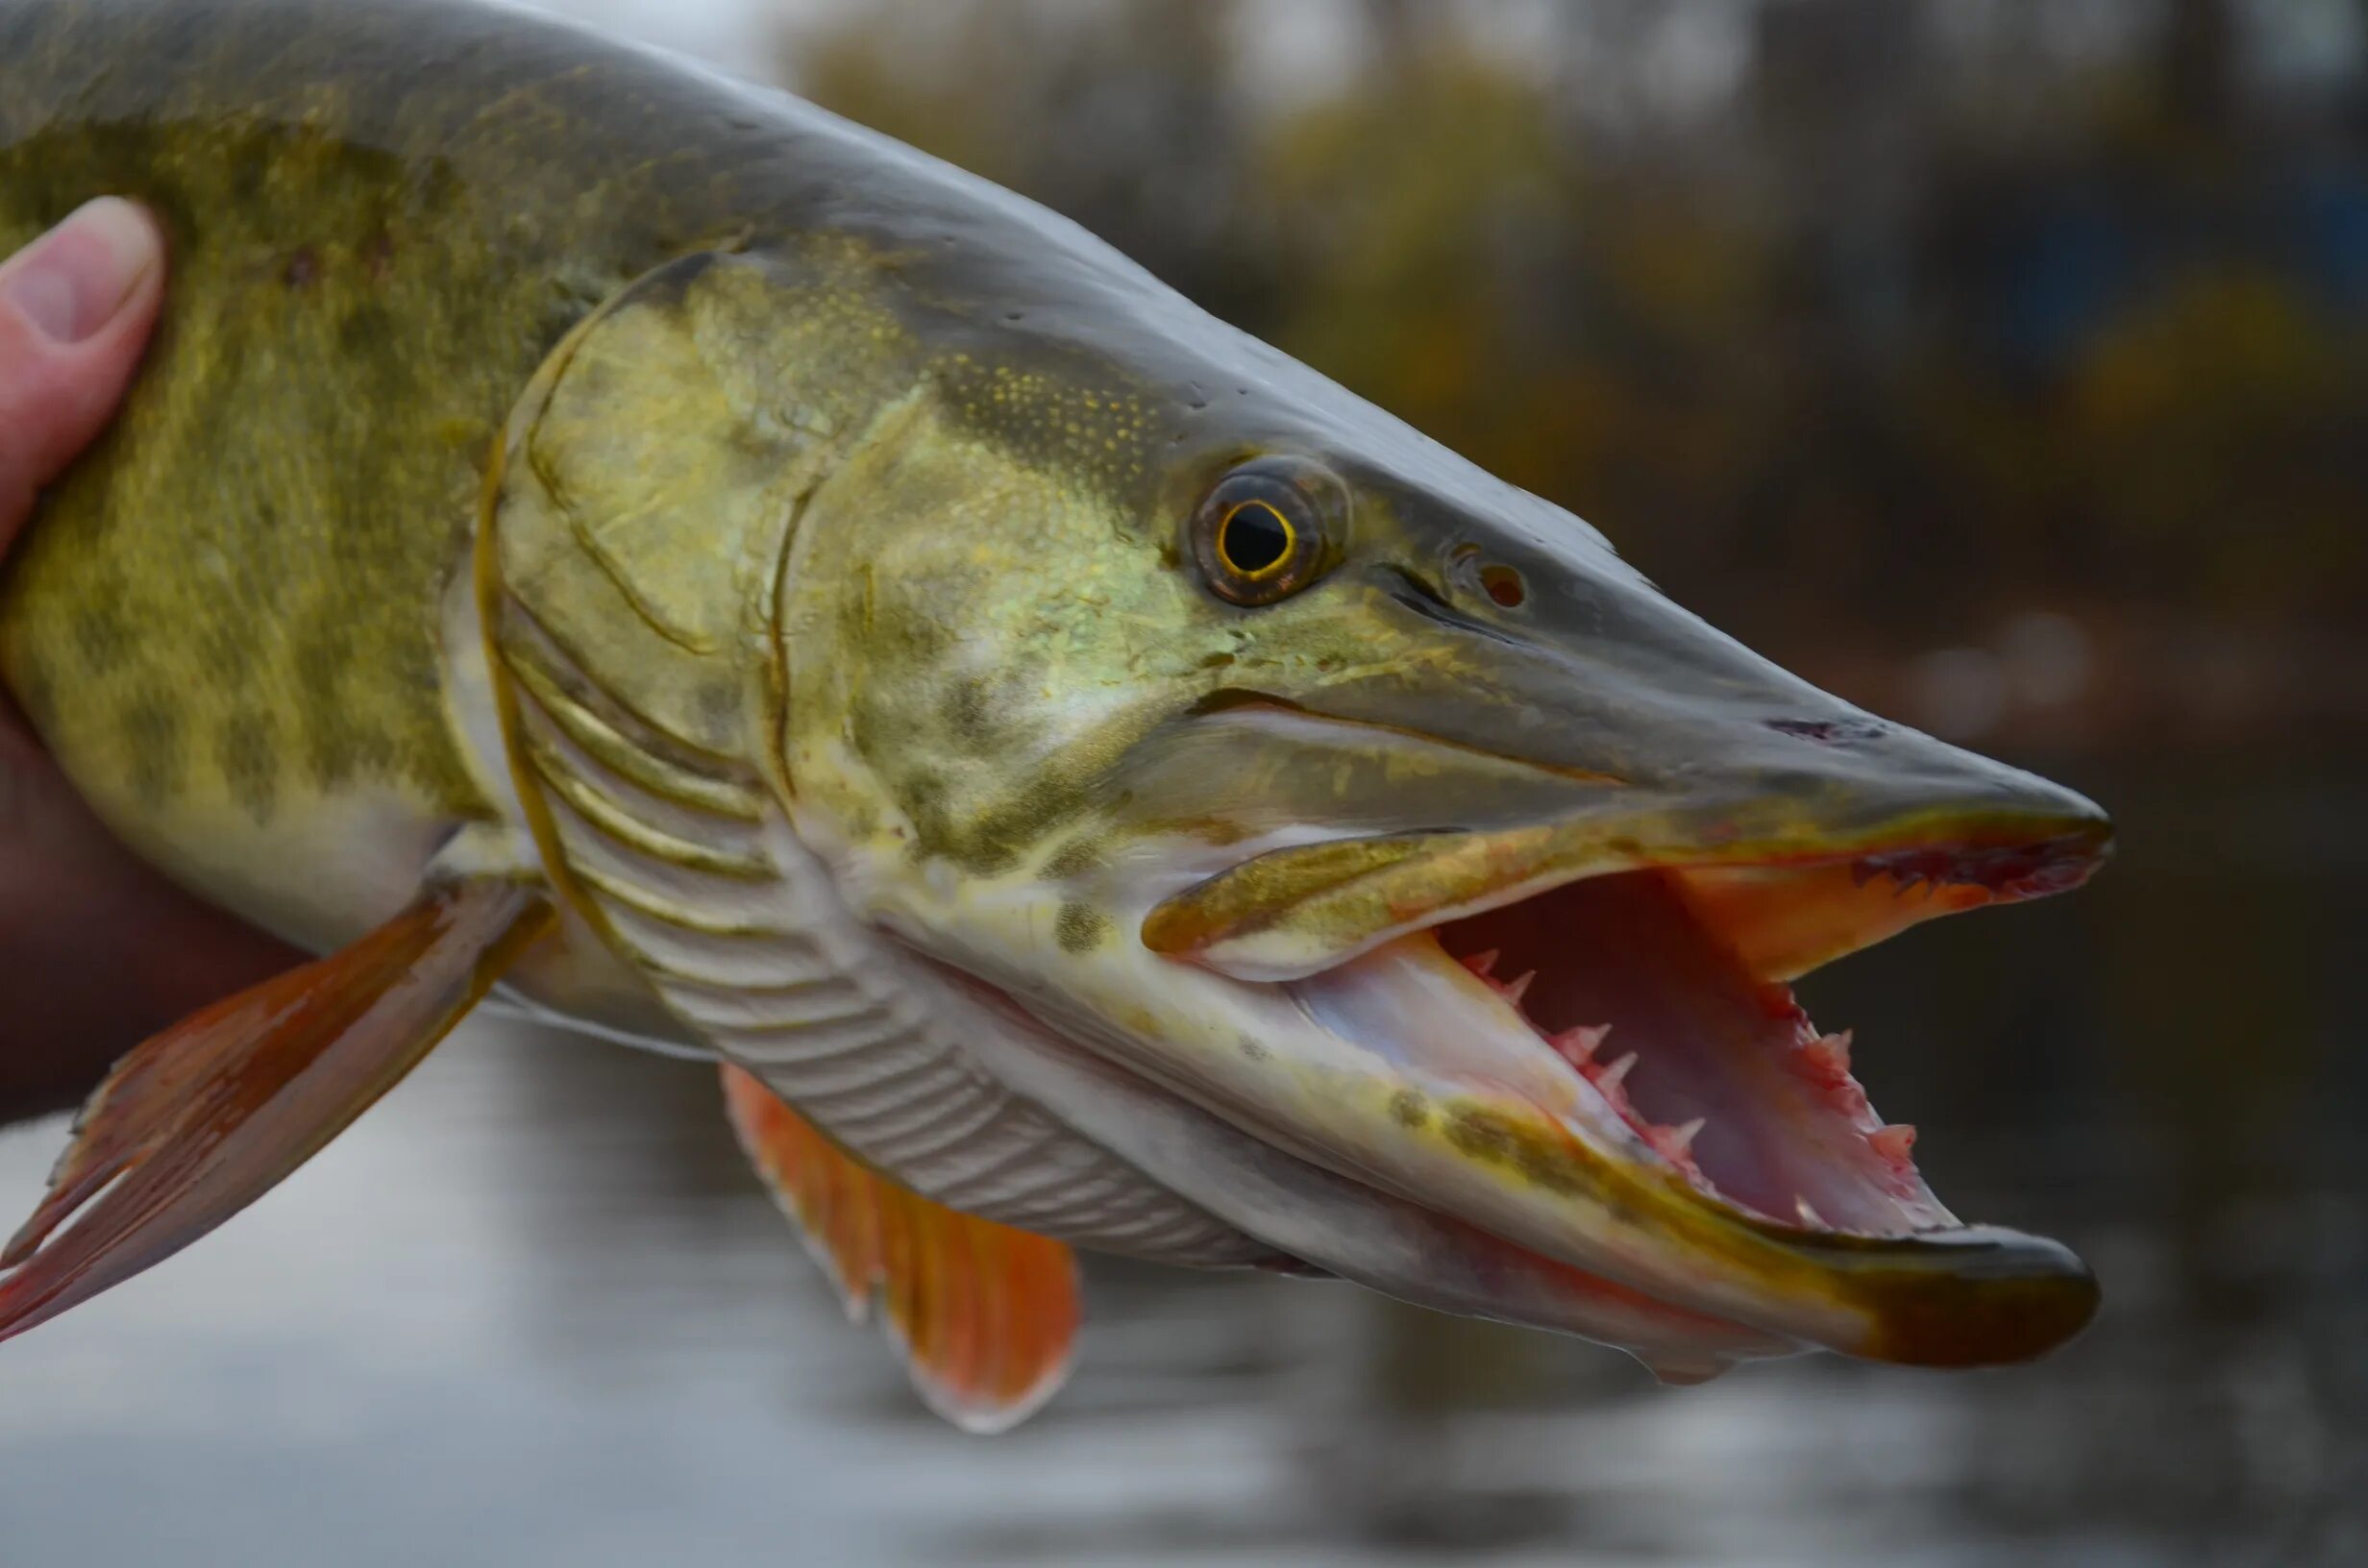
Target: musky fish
606, 542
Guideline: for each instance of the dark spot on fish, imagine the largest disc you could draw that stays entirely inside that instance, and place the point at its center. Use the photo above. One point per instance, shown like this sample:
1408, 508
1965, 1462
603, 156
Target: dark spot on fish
226, 650
302, 268
1485, 1135
378, 255
967, 711
1479, 1134
987, 859
331, 740
1079, 928
152, 728
368, 327
1409, 1109
250, 766
1253, 1050
1075, 858
924, 787
101, 638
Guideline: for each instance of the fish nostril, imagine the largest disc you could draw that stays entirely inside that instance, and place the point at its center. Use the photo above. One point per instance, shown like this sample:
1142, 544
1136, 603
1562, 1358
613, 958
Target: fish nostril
1504, 585
1830, 731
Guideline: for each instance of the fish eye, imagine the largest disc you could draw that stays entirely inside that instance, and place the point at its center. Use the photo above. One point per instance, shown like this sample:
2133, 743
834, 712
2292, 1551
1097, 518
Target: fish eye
1258, 536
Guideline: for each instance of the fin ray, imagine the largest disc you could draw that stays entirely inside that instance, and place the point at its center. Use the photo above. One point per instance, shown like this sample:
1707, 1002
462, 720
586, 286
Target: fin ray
199, 1121
985, 1315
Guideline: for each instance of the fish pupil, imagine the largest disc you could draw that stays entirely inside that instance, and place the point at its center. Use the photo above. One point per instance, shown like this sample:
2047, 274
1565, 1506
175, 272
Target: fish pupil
1255, 539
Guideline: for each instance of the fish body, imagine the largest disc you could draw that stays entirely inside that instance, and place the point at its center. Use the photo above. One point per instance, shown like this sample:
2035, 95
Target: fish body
1081, 762
232, 626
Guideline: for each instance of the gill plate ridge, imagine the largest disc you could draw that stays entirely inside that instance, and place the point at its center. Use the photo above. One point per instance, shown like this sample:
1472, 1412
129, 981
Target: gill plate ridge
634, 529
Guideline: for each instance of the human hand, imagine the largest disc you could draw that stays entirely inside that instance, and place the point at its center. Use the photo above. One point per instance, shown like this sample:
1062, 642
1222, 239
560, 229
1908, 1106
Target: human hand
97, 951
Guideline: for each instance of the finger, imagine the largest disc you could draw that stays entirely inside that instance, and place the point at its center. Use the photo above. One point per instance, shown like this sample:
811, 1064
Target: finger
75, 309
98, 951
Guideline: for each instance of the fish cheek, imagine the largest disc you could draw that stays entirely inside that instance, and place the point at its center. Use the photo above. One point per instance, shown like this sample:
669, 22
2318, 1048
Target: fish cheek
938, 565
1080, 928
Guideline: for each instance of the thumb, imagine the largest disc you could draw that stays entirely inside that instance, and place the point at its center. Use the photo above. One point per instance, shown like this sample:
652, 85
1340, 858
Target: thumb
75, 309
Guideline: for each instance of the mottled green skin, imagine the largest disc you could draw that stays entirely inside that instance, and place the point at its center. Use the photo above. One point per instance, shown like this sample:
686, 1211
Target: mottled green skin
235, 581
383, 219
228, 613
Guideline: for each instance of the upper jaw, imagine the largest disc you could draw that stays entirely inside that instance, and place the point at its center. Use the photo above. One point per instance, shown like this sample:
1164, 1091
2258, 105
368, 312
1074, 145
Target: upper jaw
1299, 910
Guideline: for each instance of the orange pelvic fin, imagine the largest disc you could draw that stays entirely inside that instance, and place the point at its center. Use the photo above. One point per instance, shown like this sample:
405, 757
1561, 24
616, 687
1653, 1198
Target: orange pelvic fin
986, 1316
202, 1119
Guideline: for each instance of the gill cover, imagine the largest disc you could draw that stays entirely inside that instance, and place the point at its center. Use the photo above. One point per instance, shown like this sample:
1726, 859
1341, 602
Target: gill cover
636, 532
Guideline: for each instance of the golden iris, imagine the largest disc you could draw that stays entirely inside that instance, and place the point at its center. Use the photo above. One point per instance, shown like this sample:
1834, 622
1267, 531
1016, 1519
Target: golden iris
1255, 540
1260, 534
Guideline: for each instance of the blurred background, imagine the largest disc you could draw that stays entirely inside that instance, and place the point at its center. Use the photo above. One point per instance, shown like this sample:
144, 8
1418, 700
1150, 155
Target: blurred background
1999, 364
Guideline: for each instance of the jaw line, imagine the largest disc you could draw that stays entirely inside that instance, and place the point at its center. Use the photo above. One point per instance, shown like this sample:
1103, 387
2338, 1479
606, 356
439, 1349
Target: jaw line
1296, 911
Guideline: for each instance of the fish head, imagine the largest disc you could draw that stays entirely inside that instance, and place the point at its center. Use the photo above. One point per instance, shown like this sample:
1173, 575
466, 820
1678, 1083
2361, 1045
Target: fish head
1229, 730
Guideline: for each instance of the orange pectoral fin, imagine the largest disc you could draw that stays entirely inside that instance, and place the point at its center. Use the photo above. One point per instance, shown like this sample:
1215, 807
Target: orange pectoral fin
986, 1316
202, 1119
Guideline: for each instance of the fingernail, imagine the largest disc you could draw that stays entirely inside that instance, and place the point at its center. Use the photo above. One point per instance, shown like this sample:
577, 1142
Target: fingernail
70, 282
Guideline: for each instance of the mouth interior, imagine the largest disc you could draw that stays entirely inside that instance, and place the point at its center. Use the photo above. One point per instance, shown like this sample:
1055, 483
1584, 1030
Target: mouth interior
1720, 1073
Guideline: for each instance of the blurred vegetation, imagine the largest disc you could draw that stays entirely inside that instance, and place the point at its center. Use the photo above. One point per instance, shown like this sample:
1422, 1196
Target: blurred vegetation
1867, 326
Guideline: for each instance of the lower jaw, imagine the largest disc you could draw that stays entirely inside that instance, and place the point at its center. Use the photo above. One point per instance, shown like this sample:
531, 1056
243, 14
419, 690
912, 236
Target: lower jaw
1312, 1214
1887, 1274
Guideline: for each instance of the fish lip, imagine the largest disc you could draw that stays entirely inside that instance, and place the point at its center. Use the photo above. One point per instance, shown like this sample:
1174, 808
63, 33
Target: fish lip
2005, 1296
1367, 890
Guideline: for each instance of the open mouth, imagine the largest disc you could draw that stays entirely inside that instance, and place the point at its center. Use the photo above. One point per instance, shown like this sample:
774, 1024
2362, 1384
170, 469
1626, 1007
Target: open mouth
1718, 1072
1646, 1012
1595, 1055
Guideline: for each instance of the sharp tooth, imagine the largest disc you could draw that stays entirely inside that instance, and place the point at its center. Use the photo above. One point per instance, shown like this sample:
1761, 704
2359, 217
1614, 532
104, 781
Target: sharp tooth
1481, 963
1609, 1078
1809, 1216
1827, 1056
1681, 1139
1516, 990
1578, 1045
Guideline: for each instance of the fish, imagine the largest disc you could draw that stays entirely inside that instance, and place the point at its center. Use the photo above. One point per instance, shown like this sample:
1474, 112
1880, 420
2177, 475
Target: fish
603, 542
